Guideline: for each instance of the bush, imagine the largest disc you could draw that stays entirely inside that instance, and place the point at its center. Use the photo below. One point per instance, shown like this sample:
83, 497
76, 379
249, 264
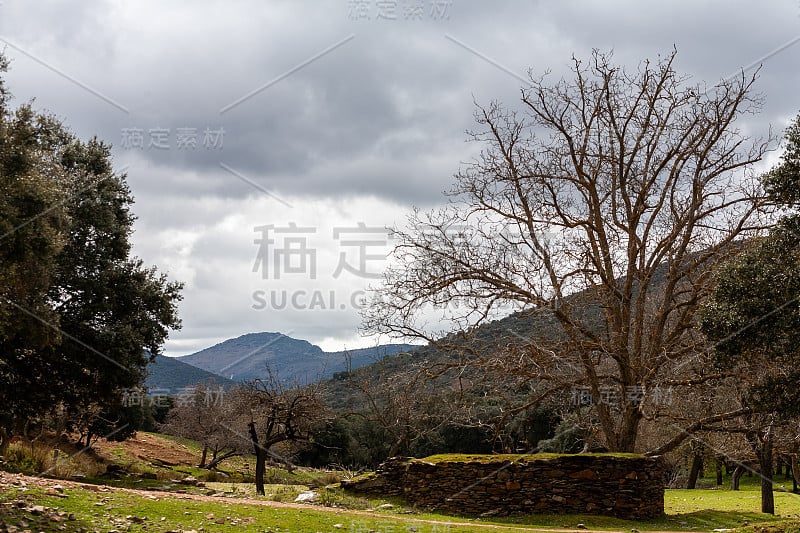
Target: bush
36, 458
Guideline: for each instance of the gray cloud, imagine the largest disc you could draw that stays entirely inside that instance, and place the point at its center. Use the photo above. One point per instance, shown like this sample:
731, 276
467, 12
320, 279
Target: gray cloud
379, 121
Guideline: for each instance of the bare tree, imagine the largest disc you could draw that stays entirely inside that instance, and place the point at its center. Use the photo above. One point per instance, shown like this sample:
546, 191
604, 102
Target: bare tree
277, 414
405, 404
599, 210
207, 416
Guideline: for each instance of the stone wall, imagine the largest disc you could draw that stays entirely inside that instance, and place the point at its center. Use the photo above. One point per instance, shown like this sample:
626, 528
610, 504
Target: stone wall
624, 486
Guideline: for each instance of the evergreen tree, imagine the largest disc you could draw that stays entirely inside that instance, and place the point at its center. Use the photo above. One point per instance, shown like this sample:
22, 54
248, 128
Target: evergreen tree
754, 315
77, 310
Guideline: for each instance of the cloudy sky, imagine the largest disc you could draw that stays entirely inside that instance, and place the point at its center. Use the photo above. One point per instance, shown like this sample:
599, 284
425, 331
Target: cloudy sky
269, 143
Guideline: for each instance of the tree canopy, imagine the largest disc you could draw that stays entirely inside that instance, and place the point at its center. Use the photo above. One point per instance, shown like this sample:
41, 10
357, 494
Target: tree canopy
77, 310
753, 317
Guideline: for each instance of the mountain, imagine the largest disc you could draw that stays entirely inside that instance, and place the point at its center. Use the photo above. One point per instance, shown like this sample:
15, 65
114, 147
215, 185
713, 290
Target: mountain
170, 376
252, 355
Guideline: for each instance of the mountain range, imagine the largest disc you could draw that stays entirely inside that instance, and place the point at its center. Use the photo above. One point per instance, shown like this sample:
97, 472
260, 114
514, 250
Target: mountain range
255, 355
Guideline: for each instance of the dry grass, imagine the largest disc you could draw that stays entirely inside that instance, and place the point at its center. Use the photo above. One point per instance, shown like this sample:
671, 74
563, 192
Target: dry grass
39, 458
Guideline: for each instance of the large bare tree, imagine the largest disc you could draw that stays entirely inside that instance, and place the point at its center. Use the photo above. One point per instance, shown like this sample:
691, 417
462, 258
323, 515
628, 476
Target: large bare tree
599, 209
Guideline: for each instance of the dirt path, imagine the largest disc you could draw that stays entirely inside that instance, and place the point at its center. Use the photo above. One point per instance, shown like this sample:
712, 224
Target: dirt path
8, 480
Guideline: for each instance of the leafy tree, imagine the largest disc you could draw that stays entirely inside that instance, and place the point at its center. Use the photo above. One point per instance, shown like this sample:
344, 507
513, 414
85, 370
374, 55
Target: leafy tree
599, 210
77, 310
568, 438
754, 315
32, 232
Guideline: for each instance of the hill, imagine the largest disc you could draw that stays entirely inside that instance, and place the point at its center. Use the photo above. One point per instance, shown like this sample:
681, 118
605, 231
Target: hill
169, 374
251, 356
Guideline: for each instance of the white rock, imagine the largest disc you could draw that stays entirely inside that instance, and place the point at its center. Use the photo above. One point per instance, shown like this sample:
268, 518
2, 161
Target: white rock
307, 496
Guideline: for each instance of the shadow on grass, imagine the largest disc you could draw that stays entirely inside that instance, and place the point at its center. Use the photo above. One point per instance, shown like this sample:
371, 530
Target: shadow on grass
705, 520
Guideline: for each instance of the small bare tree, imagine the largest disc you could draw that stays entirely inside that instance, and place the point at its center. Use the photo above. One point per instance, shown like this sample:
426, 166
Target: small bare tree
275, 414
207, 416
599, 211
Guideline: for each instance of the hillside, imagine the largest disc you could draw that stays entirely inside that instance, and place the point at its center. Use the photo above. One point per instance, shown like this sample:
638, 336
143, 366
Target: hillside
252, 355
483, 339
169, 374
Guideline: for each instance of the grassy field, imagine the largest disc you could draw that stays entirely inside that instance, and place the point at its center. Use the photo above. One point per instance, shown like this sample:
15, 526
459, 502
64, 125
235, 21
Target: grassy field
234, 506
105, 509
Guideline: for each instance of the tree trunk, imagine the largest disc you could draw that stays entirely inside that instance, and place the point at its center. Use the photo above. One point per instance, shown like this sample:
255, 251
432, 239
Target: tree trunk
795, 471
765, 461
5, 440
203, 457
736, 476
719, 470
697, 466
260, 459
624, 439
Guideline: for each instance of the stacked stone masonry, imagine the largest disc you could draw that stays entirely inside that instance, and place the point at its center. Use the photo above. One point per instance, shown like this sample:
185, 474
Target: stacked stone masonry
629, 487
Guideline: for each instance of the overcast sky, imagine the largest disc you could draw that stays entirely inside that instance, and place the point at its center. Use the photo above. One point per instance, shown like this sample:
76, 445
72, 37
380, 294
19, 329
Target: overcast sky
267, 143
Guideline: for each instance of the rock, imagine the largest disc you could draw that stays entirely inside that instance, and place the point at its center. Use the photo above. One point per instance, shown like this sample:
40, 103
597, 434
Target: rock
307, 496
385, 506
190, 480
580, 526
37, 510
584, 474
134, 519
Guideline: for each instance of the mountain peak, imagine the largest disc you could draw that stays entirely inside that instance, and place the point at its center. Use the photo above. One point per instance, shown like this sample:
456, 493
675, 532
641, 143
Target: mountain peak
254, 355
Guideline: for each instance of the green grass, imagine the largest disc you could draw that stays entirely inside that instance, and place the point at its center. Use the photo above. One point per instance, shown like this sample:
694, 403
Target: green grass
97, 508
105, 511
514, 457
687, 510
